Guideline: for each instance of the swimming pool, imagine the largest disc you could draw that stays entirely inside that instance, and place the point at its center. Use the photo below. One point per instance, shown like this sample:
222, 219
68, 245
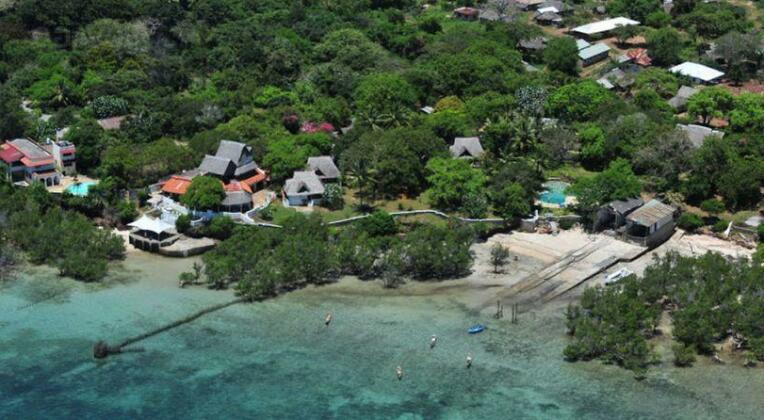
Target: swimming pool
554, 193
80, 189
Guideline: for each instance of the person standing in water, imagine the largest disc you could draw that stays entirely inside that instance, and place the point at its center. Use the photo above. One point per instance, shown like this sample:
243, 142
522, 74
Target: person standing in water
399, 372
469, 360
433, 341
328, 319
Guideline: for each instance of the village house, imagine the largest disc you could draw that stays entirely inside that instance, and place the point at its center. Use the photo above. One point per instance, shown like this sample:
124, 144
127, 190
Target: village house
603, 28
697, 72
547, 17
648, 224
26, 161
303, 189
593, 54
532, 44
613, 215
616, 79
467, 148
324, 168
679, 101
651, 224
526, 5
466, 13
697, 134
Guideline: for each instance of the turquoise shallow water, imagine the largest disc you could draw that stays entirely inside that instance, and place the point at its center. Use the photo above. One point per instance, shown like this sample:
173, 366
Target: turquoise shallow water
277, 360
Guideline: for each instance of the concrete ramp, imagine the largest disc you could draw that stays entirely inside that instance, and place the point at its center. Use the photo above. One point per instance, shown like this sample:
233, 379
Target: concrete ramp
571, 269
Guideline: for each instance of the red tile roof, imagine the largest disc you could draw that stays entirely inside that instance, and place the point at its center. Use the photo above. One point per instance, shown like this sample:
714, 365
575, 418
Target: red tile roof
34, 163
176, 185
9, 154
254, 179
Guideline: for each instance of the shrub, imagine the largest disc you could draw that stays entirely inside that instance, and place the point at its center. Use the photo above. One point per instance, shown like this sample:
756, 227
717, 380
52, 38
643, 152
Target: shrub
712, 206
567, 223
183, 223
690, 222
221, 227
379, 223
760, 231
126, 212
757, 347
720, 226
109, 106
684, 356
333, 198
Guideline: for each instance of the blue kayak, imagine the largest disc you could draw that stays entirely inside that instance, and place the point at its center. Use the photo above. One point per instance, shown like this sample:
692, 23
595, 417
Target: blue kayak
476, 329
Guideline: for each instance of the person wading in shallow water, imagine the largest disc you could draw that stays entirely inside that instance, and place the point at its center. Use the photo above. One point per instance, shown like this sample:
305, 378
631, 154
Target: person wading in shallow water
433, 341
399, 372
469, 360
328, 319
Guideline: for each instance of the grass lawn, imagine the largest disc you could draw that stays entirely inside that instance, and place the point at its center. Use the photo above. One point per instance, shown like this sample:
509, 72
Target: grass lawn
569, 173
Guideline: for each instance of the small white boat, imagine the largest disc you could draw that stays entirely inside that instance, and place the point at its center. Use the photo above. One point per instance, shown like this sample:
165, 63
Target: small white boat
618, 275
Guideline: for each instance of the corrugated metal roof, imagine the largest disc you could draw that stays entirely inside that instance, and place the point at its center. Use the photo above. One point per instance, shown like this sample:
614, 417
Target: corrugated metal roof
604, 25
593, 51
697, 71
651, 213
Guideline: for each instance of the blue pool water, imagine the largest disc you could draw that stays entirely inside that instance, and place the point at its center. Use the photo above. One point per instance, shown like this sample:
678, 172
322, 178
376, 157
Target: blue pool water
554, 193
80, 189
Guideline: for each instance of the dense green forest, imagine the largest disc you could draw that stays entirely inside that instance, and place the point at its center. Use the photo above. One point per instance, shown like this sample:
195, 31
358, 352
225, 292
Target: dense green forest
282, 75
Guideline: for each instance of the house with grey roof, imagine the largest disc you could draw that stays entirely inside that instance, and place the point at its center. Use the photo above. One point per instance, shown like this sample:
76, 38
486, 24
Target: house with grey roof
217, 166
467, 148
594, 54
548, 18
679, 101
233, 160
533, 44
616, 79
651, 224
324, 168
697, 134
613, 215
303, 189
556, 6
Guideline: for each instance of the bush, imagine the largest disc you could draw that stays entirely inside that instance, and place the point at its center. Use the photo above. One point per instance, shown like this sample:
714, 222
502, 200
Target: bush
720, 226
567, 223
760, 231
221, 227
109, 106
690, 222
126, 212
333, 198
684, 356
379, 223
712, 206
757, 347
183, 223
